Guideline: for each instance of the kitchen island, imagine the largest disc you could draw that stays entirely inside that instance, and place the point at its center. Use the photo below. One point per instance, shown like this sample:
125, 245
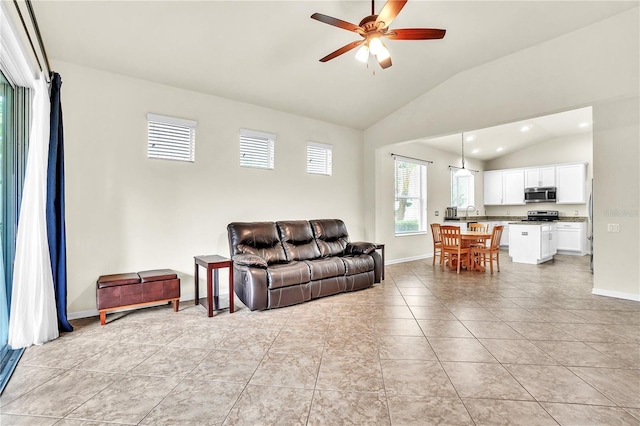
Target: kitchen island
531, 242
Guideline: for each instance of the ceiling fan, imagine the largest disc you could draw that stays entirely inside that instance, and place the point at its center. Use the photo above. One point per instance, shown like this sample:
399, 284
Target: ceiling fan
374, 27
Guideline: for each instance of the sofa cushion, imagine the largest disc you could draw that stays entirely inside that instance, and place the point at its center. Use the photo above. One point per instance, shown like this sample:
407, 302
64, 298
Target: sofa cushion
257, 238
357, 264
250, 260
360, 248
326, 268
331, 236
297, 240
286, 274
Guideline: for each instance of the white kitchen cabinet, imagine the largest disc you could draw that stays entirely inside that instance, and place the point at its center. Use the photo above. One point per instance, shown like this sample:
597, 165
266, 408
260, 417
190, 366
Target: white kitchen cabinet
539, 177
571, 237
571, 183
513, 187
531, 244
504, 187
492, 188
504, 240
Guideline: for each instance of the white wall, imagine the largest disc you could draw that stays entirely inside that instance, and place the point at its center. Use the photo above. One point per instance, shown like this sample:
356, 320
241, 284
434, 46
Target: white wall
616, 198
590, 66
568, 149
126, 213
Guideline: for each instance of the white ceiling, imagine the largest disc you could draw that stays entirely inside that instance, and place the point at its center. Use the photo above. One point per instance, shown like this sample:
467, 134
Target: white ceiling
266, 52
493, 142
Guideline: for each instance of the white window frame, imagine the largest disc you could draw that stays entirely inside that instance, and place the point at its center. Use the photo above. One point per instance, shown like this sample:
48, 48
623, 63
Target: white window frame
171, 138
421, 199
465, 184
257, 149
319, 158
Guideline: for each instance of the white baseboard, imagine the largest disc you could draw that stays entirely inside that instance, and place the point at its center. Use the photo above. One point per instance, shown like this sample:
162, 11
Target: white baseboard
616, 294
409, 259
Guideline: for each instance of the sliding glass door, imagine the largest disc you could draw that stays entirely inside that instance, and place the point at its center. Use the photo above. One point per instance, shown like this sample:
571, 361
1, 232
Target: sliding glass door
14, 125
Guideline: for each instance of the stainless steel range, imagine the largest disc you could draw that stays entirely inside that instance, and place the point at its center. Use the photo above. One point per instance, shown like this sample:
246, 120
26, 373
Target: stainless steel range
541, 216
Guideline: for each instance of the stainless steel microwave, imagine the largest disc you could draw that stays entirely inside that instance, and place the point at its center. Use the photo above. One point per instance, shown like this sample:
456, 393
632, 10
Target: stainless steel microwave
546, 194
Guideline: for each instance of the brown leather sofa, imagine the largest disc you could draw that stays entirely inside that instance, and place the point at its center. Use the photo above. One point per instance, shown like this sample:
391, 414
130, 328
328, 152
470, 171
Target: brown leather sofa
278, 264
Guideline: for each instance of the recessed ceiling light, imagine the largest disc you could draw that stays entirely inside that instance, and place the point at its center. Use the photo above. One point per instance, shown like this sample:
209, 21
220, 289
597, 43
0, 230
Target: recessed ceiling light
499, 149
583, 125
525, 128
470, 138
475, 151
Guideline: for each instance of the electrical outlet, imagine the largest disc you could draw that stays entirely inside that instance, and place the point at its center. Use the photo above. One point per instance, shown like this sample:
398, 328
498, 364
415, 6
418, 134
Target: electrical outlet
508, 212
575, 212
613, 227
437, 213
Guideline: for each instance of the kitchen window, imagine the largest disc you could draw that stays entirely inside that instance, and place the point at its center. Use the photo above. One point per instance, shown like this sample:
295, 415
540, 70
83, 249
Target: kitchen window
410, 202
462, 190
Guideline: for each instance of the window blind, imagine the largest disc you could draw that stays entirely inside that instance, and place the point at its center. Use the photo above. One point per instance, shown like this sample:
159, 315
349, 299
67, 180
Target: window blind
410, 201
171, 138
257, 149
319, 158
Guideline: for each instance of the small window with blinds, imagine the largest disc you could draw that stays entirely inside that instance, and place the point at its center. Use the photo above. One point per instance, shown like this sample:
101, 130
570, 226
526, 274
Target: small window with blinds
257, 149
171, 138
319, 158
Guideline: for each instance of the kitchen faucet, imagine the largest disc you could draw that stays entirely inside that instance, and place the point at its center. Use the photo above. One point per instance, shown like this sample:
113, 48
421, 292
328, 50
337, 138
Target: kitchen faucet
467, 212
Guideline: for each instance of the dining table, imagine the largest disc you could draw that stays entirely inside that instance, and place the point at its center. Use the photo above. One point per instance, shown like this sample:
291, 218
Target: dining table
471, 237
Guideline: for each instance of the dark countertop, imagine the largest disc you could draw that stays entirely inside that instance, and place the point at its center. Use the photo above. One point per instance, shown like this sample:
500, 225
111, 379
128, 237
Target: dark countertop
513, 219
532, 222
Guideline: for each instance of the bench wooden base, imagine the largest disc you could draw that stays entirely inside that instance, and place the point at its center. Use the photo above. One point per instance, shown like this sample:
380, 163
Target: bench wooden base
103, 312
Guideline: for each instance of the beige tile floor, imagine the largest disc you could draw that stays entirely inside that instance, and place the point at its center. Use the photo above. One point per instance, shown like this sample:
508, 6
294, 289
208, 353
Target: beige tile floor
529, 345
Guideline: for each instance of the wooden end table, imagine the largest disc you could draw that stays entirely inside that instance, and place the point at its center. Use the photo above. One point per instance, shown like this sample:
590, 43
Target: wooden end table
381, 248
212, 263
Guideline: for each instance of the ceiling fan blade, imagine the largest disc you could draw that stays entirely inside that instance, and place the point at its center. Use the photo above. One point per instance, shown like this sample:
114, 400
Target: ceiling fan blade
415, 34
385, 63
343, 49
336, 22
389, 12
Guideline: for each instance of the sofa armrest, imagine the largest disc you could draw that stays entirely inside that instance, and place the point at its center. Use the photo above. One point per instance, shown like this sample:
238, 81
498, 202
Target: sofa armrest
360, 247
250, 260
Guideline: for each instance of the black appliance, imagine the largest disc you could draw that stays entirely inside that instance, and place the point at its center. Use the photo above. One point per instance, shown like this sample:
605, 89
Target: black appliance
541, 216
543, 194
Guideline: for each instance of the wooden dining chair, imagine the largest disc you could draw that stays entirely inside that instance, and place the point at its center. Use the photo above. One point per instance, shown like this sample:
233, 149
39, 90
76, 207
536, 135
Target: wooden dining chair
479, 227
492, 250
437, 242
452, 248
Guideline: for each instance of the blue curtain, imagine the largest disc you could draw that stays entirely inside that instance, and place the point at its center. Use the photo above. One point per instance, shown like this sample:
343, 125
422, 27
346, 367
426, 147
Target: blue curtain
56, 232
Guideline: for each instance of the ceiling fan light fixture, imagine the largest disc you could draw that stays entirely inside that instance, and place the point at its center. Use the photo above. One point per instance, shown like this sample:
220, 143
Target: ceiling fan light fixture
383, 53
375, 46
362, 54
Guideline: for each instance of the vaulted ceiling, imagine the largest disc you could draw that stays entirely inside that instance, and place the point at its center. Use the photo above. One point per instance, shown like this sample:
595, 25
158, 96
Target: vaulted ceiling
266, 52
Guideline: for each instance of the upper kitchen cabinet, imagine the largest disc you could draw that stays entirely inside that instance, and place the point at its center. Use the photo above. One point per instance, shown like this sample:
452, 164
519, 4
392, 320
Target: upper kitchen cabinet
571, 182
492, 188
513, 186
503, 187
539, 177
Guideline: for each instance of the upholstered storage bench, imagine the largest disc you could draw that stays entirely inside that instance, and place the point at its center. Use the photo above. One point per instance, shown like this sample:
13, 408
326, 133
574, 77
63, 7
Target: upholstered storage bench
132, 290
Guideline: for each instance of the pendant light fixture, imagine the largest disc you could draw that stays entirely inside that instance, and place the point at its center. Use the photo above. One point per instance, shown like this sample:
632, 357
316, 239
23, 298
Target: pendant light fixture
463, 172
